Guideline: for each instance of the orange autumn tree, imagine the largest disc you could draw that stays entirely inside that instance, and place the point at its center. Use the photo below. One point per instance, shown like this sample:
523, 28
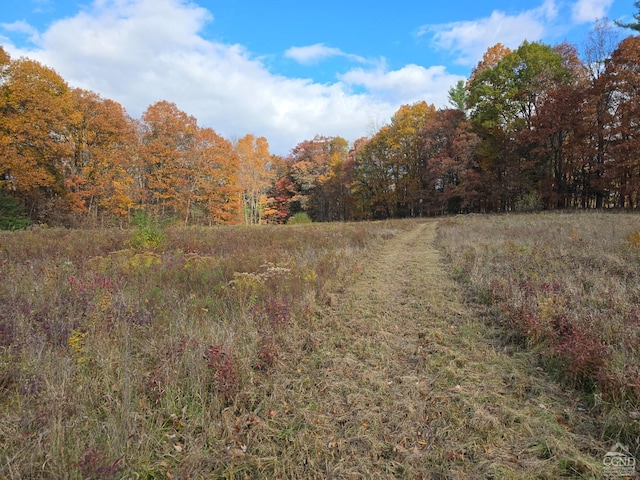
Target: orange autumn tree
167, 135
213, 189
99, 173
34, 110
490, 59
187, 171
255, 176
311, 181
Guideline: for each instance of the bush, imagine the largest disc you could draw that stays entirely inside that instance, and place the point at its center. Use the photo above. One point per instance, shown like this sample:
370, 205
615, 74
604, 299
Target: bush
299, 218
12, 215
148, 233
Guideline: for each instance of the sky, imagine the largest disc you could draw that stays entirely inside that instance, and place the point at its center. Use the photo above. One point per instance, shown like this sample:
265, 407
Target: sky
284, 69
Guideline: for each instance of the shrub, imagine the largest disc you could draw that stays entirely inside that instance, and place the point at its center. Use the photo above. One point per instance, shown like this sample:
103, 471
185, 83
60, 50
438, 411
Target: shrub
299, 218
12, 216
147, 234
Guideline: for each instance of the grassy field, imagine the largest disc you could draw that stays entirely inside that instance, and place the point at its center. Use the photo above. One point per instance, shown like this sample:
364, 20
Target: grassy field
321, 351
119, 349
567, 287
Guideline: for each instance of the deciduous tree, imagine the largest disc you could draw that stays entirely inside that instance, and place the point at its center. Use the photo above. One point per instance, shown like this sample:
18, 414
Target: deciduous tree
622, 79
254, 176
505, 96
189, 171
99, 172
450, 176
34, 110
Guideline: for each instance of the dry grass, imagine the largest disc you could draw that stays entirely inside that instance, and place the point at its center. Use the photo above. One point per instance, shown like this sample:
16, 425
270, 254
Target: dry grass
162, 362
566, 287
311, 351
416, 385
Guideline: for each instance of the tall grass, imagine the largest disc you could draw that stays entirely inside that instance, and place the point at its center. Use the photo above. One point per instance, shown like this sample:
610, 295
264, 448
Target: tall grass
567, 286
121, 358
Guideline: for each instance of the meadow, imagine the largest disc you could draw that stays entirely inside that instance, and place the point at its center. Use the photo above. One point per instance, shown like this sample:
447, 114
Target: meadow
566, 287
169, 352
153, 353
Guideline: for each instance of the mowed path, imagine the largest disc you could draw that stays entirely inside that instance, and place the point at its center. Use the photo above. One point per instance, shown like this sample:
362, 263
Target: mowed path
404, 379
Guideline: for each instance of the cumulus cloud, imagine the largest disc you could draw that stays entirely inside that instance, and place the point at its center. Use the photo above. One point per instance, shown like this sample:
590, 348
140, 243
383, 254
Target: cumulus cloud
138, 52
468, 40
585, 11
408, 84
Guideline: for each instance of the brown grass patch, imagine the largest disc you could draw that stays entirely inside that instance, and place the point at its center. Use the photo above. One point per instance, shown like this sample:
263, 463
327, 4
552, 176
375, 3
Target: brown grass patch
564, 286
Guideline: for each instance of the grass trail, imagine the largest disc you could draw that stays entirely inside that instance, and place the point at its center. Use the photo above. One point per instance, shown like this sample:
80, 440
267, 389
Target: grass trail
401, 378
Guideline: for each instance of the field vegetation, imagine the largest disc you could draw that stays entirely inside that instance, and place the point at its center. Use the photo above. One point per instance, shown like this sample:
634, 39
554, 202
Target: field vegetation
321, 350
159, 351
567, 287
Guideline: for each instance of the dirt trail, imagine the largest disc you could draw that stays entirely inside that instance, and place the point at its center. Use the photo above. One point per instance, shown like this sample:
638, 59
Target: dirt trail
415, 384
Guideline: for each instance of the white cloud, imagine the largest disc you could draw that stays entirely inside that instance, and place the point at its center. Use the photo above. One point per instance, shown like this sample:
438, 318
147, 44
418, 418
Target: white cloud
312, 54
468, 40
138, 52
411, 83
24, 28
585, 11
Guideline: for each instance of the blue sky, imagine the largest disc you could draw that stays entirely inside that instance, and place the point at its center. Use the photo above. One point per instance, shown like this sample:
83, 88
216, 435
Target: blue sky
286, 69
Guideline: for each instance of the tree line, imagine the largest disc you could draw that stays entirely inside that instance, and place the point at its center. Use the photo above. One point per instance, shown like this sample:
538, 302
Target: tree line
538, 127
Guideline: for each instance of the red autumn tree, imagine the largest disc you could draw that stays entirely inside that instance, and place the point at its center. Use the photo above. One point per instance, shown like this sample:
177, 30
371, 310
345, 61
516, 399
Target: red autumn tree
622, 79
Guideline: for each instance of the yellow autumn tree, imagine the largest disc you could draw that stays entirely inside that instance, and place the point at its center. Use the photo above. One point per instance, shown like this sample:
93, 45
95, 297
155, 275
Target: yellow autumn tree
255, 176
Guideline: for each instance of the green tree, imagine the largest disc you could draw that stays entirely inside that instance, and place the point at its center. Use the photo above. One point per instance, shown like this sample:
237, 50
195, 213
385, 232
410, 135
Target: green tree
458, 96
632, 25
505, 98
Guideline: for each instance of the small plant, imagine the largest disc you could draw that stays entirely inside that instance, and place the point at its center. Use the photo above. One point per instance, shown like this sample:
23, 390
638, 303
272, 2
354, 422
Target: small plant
94, 465
148, 234
634, 238
77, 344
267, 351
299, 218
225, 372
